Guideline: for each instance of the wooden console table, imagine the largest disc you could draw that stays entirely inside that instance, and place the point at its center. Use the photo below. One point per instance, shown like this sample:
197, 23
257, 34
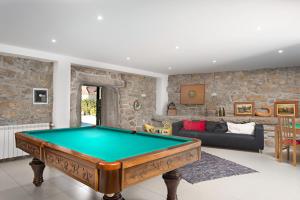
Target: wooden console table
237, 119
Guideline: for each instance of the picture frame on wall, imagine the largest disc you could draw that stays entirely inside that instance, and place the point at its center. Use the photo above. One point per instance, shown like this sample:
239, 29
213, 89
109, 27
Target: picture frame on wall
244, 108
192, 94
286, 108
40, 96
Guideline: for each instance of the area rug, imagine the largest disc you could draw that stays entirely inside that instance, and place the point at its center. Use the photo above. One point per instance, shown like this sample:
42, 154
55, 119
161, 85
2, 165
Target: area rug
212, 167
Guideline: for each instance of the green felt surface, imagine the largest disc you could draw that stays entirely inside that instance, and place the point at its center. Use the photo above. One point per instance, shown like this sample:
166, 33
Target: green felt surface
108, 144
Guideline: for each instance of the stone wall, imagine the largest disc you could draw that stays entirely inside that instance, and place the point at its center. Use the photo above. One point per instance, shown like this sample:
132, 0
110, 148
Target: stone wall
129, 87
260, 86
18, 77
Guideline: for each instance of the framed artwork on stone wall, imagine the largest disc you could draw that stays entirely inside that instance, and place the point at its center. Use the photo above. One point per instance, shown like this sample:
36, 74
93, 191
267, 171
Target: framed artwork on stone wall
243, 108
40, 96
286, 108
192, 94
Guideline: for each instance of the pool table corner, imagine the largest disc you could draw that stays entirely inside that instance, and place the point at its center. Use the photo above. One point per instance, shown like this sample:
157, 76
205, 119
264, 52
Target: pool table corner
110, 179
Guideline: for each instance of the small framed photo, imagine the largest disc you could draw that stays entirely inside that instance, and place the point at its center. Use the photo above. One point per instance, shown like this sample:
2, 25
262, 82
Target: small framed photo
286, 108
243, 108
40, 96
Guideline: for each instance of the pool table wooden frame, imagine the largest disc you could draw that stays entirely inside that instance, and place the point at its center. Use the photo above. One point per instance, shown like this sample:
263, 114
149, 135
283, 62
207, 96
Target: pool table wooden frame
110, 178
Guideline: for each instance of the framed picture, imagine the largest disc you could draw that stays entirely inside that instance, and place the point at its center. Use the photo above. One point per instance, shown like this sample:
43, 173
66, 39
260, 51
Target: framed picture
286, 108
192, 94
243, 108
40, 96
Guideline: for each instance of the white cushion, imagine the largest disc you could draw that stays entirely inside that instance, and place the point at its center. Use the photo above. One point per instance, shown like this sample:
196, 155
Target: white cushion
247, 128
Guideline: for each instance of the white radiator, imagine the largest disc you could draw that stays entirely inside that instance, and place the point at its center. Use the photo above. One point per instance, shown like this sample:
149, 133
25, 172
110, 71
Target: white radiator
7, 138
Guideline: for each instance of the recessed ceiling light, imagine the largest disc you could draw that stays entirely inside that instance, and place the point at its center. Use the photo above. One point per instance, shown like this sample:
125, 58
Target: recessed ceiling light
214, 61
258, 28
53, 40
169, 68
177, 47
280, 51
128, 58
99, 17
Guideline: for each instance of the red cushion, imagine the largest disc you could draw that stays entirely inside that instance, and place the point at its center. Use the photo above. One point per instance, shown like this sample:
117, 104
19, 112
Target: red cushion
194, 125
290, 142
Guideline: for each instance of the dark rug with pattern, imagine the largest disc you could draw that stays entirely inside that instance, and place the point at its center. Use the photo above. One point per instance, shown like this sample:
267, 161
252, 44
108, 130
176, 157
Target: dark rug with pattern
212, 167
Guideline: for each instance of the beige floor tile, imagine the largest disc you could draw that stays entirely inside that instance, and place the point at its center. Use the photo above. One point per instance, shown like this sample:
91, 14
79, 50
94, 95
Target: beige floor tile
156, 185
80, 193
6, 182
47, 190
61, 196
14, 194
138, 193
273, 181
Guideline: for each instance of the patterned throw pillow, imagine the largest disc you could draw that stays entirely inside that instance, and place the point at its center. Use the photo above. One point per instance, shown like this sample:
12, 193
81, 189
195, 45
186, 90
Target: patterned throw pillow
149, 128
166, 130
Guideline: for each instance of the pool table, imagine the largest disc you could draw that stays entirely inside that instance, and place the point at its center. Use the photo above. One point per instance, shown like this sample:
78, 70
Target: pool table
109, 159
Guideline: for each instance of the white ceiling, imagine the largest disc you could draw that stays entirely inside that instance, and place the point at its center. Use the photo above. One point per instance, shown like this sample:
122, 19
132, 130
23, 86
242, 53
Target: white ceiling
148, 31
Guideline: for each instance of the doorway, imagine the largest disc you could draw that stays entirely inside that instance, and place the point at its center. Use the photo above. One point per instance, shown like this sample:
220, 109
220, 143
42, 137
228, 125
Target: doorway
91, 105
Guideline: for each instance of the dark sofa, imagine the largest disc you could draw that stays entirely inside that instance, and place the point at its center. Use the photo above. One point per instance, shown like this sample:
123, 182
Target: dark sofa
215, 136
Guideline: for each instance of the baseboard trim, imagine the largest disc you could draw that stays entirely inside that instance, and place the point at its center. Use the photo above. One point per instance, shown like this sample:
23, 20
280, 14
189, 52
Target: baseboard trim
14, 158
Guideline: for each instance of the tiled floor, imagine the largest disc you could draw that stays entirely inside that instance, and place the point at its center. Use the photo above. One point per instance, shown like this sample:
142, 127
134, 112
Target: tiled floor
274, 181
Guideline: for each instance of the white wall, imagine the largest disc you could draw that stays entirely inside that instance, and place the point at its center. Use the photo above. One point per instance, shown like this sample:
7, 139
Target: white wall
61, 93
62, 79
161, 95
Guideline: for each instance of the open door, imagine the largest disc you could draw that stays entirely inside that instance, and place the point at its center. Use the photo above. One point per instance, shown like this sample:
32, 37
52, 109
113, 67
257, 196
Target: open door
109, 107
90, 105
99, 106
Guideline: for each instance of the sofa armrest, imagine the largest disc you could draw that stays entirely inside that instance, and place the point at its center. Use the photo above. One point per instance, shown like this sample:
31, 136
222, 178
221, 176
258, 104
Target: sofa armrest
176, 127
259, 135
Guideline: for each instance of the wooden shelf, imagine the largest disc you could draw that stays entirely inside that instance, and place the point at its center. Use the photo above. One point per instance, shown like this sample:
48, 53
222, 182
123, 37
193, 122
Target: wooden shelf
237, 119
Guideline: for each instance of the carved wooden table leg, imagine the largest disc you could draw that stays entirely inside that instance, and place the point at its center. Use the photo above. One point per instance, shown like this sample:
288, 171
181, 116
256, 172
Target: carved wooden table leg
172, 180
116, 196
38, 169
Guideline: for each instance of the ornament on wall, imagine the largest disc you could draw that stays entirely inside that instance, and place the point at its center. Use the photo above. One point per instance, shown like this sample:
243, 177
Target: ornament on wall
268, 111
214, 93
137, 105
192, 94
172, 109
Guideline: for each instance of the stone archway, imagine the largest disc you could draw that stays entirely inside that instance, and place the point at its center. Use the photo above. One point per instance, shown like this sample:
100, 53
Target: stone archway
110, 83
